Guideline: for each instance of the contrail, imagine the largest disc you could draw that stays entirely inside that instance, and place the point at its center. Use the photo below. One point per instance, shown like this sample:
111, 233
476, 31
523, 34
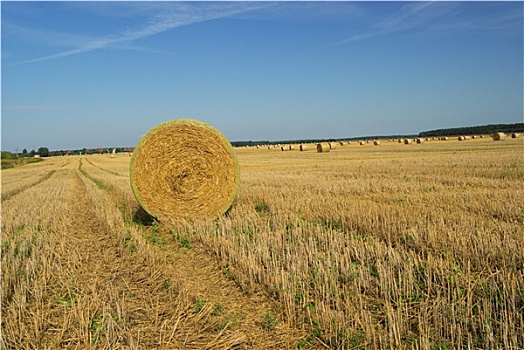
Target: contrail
168, 19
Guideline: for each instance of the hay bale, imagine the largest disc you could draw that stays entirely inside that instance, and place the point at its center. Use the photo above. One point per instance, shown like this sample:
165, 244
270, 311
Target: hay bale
303, 147
184, 169
332, 145
515, 136
498, 136
407, 141
419, 140
376, 142
323, 147
461, 138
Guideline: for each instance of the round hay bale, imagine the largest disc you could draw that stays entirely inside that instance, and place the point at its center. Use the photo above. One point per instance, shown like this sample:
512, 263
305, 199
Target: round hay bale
515, 136
303, 147
184, 169
323, 147
420, 140
332, 145
376, 142
461, 138
407, 141
498, 136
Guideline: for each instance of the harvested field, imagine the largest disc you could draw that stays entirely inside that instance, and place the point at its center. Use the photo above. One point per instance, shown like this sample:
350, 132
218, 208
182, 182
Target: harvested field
385, 247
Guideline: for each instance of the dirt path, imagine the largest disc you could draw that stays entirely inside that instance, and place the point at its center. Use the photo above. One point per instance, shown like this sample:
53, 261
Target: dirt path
181, 301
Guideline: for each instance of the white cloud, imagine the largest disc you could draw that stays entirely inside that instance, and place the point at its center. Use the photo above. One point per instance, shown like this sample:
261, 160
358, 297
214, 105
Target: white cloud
160, 17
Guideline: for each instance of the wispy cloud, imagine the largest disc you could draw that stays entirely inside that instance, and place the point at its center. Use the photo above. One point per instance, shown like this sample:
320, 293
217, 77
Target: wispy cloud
443, 18
161, 17
403, 19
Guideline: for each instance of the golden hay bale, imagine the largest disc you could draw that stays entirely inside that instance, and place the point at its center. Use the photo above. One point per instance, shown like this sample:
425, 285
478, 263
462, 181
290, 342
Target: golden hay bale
303, 147
283, 148
515, 136
498, 136
419, 140
184, 168
323, 147
362, 143
341, 143
461, 138
407, 141
332, 145
376, 142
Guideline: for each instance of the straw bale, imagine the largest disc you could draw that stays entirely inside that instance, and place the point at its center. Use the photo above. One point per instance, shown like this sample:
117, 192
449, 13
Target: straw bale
515, 136
407, 141
498, 136
376, 142
419, 140
332, 145
184, 169
303, 147
323, 147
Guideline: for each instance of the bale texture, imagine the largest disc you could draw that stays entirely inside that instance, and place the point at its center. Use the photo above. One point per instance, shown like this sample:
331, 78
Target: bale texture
323, 147
184, 169
499, 136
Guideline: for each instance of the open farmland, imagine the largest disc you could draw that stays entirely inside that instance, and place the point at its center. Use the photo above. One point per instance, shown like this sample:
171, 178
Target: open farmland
363, 247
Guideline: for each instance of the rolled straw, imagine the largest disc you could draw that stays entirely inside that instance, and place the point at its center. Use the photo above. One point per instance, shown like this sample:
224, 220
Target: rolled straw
184, 168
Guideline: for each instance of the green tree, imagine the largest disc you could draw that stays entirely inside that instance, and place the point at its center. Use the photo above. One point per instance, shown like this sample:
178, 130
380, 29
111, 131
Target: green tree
7, 155
43, 151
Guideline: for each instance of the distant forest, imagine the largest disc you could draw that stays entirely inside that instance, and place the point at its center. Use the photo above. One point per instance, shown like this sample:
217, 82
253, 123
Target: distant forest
475, 130
467, 130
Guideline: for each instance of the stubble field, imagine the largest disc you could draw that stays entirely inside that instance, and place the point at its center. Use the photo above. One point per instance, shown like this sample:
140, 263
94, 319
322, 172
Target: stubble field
364, 247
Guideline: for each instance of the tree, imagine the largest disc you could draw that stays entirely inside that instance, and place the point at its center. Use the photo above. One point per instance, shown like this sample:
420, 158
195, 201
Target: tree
43, 151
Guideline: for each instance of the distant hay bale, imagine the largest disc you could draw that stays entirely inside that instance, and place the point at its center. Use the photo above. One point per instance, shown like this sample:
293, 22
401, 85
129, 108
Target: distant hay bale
184, 169
283, 148
323, 147
419, 140
515, 136
362, 143
399, 140
341, 143
332, 145
407, 141
498, 136
461, 138
376, 142
303, 147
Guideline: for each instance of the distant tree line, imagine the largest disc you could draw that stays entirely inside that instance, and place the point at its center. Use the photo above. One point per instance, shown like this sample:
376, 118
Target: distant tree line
45, 152
475, 130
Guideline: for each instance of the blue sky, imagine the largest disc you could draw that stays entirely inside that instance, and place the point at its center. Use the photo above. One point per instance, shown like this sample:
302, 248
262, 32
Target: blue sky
101, 74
